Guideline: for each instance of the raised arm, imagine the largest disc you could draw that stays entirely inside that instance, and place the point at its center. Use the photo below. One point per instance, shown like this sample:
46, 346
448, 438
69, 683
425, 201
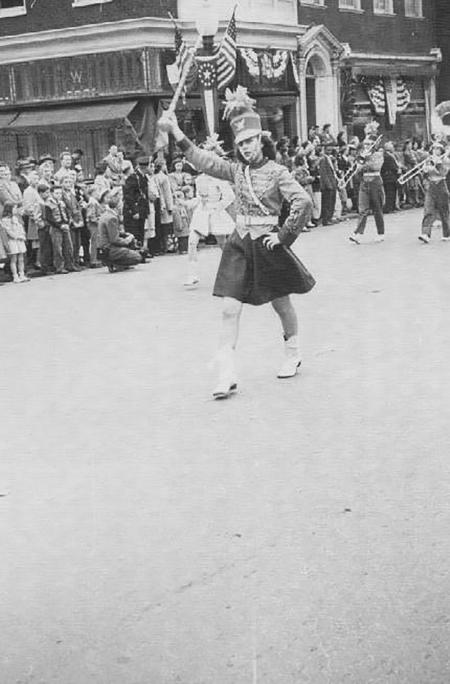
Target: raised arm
204, 161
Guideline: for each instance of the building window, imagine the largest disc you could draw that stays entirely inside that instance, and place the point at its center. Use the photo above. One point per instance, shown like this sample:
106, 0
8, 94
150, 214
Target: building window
354, 5
83, 3
318, 3
12, 8
383, 7
413, 8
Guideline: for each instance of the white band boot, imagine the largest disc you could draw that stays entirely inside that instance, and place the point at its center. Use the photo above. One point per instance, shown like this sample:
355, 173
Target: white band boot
292, 359
227, 382
192, 279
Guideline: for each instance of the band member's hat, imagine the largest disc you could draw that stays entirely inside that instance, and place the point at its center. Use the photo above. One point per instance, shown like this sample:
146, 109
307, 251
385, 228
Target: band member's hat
245, 122
371, 130
143, 161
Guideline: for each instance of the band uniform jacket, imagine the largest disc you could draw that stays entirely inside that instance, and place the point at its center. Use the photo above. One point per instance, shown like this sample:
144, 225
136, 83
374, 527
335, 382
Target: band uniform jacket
272, 183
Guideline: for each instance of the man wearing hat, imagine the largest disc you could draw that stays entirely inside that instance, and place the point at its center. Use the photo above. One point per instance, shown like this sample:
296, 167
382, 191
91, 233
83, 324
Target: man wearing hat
135, 200
436, 192
23, 169
46, 168
257, 265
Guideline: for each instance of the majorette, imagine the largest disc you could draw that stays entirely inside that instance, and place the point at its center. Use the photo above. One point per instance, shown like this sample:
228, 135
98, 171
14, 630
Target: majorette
257, 265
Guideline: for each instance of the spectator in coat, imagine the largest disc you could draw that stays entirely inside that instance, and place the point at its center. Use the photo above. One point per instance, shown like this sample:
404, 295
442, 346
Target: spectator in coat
33, 217
166, 202
135, 200
328, 185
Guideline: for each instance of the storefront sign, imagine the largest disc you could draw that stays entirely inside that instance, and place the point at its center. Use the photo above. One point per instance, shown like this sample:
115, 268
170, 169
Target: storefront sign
81, 77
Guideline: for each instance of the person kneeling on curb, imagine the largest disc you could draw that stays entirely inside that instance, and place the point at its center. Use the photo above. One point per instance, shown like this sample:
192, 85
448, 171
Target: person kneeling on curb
118, 248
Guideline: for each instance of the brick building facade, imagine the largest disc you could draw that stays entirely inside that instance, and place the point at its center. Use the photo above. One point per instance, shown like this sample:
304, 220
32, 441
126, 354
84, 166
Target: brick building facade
85, 73
443, 40
379, 45
81, 74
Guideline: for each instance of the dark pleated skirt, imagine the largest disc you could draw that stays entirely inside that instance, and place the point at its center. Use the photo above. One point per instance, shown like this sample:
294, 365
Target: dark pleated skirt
252, 274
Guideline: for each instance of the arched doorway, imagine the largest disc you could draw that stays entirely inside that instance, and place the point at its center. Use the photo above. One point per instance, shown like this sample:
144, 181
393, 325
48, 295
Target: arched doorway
310, 96
320, 90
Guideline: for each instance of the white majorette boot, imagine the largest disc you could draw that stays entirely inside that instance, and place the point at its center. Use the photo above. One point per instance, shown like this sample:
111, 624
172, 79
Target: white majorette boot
192, 280
292, 360
227, 383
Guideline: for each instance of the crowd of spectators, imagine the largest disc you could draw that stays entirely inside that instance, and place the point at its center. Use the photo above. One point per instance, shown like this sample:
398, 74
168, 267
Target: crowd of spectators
51, 215
321, 163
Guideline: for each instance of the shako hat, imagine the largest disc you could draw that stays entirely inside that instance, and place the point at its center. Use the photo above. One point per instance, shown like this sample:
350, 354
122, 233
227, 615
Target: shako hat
245, 122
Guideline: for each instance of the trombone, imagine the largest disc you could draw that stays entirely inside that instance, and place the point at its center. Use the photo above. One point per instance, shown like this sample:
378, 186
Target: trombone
420, 167
354, 168
414, 171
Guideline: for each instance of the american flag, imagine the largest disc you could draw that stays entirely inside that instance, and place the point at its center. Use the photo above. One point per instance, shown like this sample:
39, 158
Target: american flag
182, 57
226, 55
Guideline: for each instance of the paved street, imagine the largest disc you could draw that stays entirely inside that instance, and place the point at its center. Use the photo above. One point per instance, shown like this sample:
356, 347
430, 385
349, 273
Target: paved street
296, 533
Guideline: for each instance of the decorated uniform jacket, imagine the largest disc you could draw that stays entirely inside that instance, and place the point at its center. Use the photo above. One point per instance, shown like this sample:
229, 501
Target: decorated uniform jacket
374, 162
437, 169
271, 183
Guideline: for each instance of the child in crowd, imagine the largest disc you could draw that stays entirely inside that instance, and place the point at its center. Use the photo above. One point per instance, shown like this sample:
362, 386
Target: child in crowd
74, 213
45, 240
57, 217
93, 212
181, 221
12, 225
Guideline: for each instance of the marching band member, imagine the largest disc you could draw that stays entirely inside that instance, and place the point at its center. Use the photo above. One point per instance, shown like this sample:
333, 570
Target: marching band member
257, 265
371, 192
436, 192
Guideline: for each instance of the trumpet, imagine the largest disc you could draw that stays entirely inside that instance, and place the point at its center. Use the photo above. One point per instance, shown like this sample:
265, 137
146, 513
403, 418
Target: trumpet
354, 168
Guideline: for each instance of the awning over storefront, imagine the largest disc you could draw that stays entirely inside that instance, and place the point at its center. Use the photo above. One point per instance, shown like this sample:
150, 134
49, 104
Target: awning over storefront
76, 116
6, 118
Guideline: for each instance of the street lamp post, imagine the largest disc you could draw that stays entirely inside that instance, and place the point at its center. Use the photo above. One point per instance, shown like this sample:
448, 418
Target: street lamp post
207, 25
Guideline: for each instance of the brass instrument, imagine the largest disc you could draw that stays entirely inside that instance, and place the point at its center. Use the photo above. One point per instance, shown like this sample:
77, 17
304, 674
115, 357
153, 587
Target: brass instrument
414, 171
353, 170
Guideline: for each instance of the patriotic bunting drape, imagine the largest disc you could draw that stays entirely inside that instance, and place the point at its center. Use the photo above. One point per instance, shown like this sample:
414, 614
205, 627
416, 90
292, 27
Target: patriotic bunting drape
388, 95
271, 65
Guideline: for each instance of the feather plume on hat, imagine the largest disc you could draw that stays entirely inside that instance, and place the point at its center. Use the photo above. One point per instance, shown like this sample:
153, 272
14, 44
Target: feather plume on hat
371, 128
237, 102
240, 110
